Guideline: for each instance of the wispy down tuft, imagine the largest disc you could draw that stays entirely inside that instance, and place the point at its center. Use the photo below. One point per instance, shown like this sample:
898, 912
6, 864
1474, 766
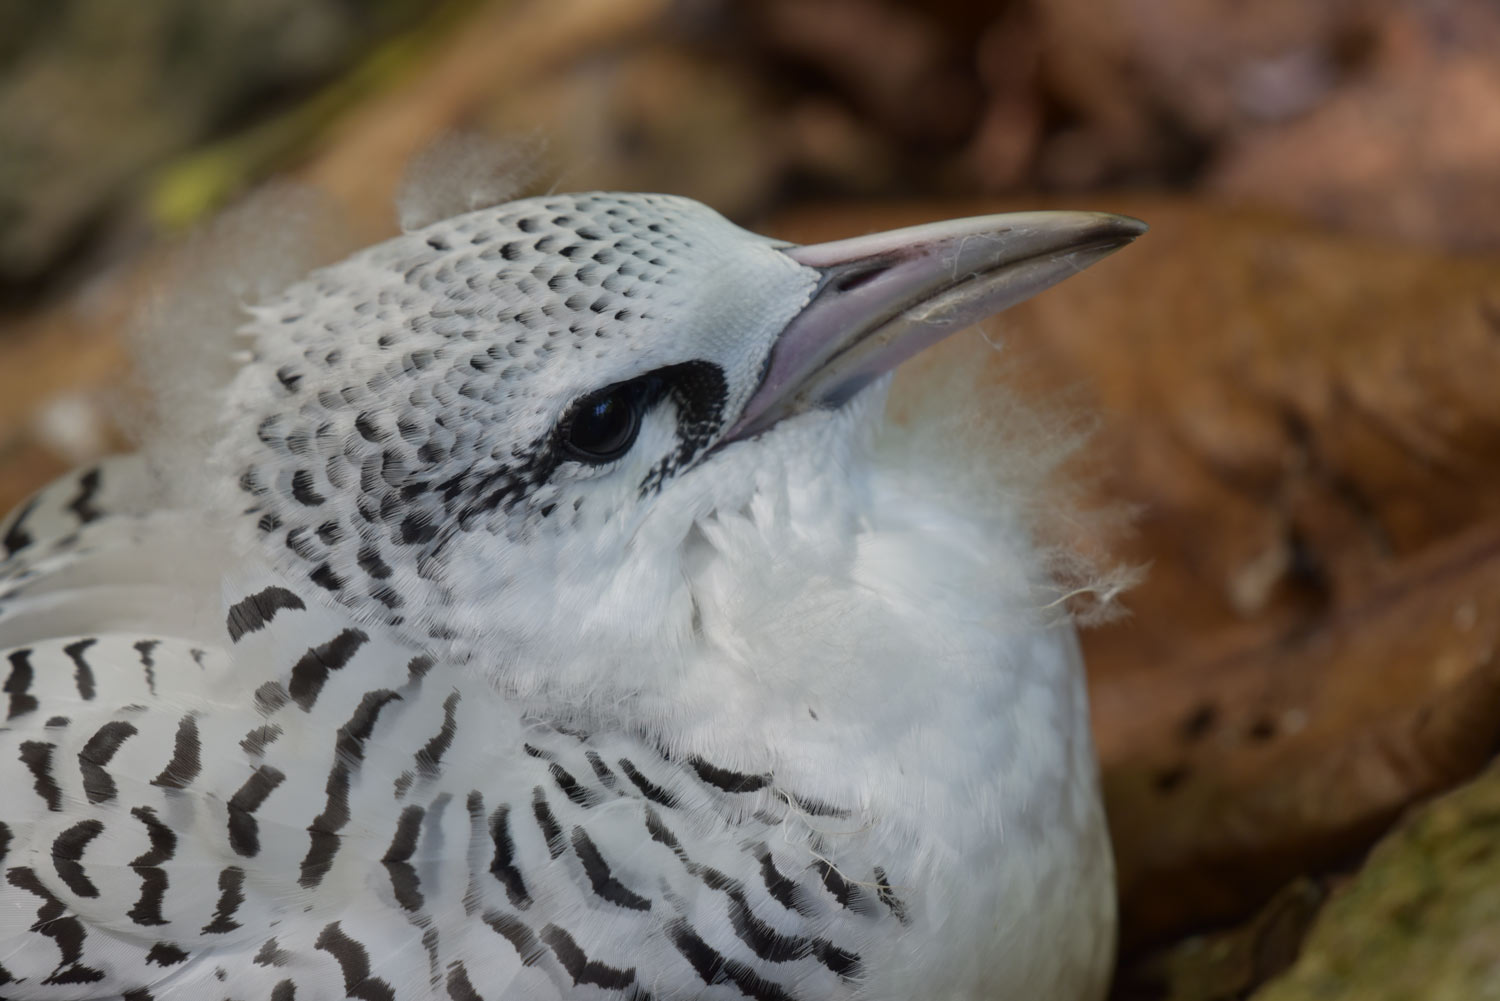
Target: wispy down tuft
463, 172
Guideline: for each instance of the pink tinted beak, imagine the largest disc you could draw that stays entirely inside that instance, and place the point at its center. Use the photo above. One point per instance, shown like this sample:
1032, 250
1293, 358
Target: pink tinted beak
885, 297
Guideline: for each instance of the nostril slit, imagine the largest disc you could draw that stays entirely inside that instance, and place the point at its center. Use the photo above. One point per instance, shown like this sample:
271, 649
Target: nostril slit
854, 279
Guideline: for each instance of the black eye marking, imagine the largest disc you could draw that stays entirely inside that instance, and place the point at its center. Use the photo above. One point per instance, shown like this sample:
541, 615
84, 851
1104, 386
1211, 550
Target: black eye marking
584, 435
601, 426
700, 391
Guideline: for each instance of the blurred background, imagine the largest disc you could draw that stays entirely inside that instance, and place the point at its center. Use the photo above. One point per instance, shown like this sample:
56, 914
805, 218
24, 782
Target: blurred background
1295, 378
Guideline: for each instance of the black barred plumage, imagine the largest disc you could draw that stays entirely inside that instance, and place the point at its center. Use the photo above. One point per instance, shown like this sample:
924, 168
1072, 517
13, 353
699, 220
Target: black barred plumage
649, 789
94, 759
67, 850
270, 697
256, 610
185, 763
724, 778
518, 934
816, 808
570, 787
36, 755
843, 891
256, 740
762, 939
715, 968
17, 683
778, 886
65, 930
231, 896
405, 883
603, 881
430, 756
83, 671
547, 821
16, 536
244, 832
154, 880
311, 672
144, 648
354, 959
165, 954
82, 505
459, 987
349, 751
601, 770
580, 967
888, 896
271, 955
503, 866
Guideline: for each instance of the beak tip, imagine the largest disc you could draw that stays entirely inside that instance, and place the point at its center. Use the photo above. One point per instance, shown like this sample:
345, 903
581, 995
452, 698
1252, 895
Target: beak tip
1100, 234
1131, 226
1118, 229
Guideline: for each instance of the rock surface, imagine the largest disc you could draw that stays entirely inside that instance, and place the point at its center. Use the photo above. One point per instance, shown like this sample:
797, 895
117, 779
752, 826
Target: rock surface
1422, 918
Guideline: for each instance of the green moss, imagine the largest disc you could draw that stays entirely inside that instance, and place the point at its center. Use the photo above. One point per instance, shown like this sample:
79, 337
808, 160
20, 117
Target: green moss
1421, 921
200, 182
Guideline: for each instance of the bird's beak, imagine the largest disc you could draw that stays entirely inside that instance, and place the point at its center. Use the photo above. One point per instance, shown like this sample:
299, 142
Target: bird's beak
882, 298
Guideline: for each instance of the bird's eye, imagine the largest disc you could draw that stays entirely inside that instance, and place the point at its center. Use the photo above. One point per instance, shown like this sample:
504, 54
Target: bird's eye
602, 426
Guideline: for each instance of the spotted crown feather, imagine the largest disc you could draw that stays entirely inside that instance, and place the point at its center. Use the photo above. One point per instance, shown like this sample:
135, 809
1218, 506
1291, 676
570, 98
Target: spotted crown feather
424, 379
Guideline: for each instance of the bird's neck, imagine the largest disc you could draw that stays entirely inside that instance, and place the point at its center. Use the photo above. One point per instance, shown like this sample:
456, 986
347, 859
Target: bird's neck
904, 635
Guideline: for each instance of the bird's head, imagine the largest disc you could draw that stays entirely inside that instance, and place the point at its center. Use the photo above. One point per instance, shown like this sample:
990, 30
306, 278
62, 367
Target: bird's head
501, 434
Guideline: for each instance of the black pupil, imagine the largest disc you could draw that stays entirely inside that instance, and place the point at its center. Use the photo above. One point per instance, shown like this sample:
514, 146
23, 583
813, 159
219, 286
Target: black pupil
604, 426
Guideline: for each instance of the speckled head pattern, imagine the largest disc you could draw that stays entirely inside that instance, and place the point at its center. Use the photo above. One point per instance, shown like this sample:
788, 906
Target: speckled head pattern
401, 430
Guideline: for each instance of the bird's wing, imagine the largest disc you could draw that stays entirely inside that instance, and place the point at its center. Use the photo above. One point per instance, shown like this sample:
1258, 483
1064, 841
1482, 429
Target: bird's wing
141, 849
110, 641
115, 486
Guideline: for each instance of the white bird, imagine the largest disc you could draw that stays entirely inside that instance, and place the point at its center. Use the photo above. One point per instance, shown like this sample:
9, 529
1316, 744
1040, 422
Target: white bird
544, 623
